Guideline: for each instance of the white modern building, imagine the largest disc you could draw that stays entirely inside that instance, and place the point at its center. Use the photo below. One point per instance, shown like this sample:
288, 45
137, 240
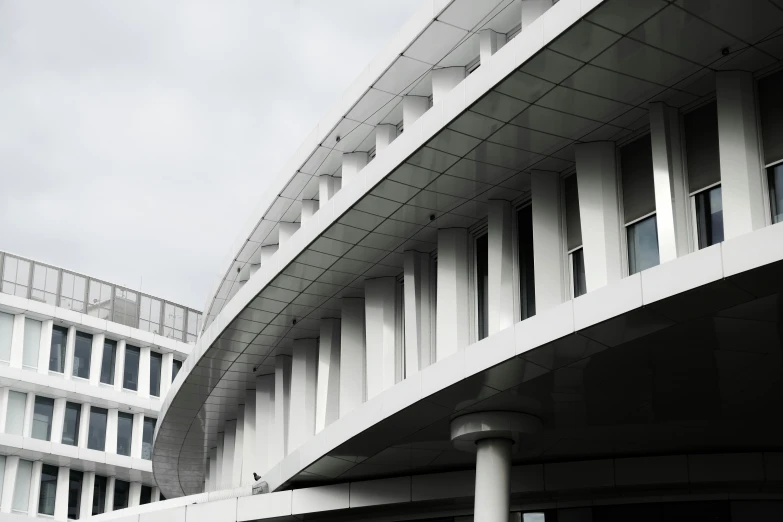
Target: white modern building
527, 268
84, 365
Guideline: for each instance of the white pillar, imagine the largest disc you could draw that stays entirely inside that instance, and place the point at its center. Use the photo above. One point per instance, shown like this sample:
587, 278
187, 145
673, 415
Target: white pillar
144, 372
111, 430
353, 163
489, 43
453, 307
219, 461
134, 494
352, 355
58, 416
239, 449
119, 365
493, 480
267, 452
744, 207
155, 495
309, 208
165, 374
279, 446
249, 439
326, 188
70, 347
3, 407
413, 108
596, 177
384, 135
418, 310
444, 80
96, 358
212, 470
671, 193
533, 9
61, 495
304, 370
501, 266
137, 435
108, 506
264, 253
327, 408
29, 407
88, 487
11, 467
84, 425
380, 336
548, 250
17, 342
285, 231
45, 346
229, 445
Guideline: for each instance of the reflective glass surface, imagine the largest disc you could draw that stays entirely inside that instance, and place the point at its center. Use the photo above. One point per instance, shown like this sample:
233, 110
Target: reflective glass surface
176, 366
124, 433
643, 245
149, 317
775, 179
16, 276
126, 305
96, 436
146, 495
42, 418
57, 350
156, 362
709, 217
482, 284
14, 418
108, 361
99, 300
73, 291
48, 492
32, 343
527, 280
45, 280
121, 494
73, 413
99, 495
75, 494
24, 475
6, 332
130, 375
578, 274
173, 321
81, 355
146, 438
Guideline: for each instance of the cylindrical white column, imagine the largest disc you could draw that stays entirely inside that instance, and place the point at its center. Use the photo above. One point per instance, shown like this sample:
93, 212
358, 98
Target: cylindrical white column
548, 252
144, 372
533, 9
413, 108
353, 163
380, 336
453, 305
45, 347
384, 135
303, 392
279, 442
285, 231
444, 80
266, 451
119, 365
418, 303
96, 358
70, 347
88, 487
17, 342
61, 497
501, 266
328, 385
249, 438
309, 208
229, 445
493, 476
352, 355
326, 189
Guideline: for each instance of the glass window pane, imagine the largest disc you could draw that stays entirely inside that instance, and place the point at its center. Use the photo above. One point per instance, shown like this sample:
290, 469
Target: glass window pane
42, 418
482, 284
701, 146
6, 332
99, 495
72, 292
73, 413
126, 305
643, 245
24, 474
194, 318
578, 266
121, 494
57, 350
108, 361
32, 342
124, 433
48, 493
99, 300
2, 474
527, 280
146, 495
146, 440
573, 218
709, 217
175, 368
775, 177
130, 378
75, 494
14, 419
173, 321
45, 281
149, 312
637, 175
81, 355
16, 276
156, 362
96, 436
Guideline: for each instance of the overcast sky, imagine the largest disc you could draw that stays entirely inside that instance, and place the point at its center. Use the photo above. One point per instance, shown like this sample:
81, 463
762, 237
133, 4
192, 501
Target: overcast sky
136, 137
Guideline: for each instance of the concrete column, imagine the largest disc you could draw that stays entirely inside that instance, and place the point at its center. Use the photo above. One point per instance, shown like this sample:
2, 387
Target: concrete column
489, 43
144, 372
212, 472
108, 507
285, 231
352, 355
741, 166
249, 439
84, 425
384, 135
418, 311
533, 9
501, 266
309, 208
413, 108
88, 489
29, 407
155, 494
239, 449
3, 408
17, 342
303, 392
70, 347
548, 252
327, 402
671, 193
444, 80
111, 431
96, 358
219, 462
326, 189
137, 435
267, 451
58, 416
11, 467
380, 336
119, 365
229, 445
134, 494
45, 346
453, 307
165, 374
35, 489
353, 163
282, 403
264, 253
596, 177
61, 498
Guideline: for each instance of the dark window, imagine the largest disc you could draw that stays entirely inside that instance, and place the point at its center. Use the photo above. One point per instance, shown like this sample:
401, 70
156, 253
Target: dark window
146, 439
482, 284
578, 267
175, 368
146, 495
75, 494
775, 177
48, 491
637, 175
82, 352
107, 363
96, 436
701, 146
643, 245
124, 433
709, 217
99, 495
130, 378
71, 423
573, 218
42, 418
770, 109
121, 494
527, 280
156, 361
57, 351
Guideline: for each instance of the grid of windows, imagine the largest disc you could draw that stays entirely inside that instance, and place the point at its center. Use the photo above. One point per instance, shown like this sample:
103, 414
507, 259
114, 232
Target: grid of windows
176, 366
527, 280
45, 281
14, 419
121, 495
72, 292
126, 305
6, 333
150, 315
99, 300
482, 284
173, 321
16, 276
709, 216
76, 479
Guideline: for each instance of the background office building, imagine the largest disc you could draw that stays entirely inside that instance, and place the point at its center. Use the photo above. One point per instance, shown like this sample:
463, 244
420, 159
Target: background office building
528, 268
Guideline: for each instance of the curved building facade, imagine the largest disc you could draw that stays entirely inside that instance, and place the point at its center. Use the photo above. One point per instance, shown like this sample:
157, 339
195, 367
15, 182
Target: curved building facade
528, 268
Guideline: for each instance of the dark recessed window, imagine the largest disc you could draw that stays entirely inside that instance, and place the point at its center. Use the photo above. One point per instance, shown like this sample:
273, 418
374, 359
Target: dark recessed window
108, 361
146, 495
124, 433
42, 418
578, 272
121, 494
75, 494
82, 352
156, 362
130, 375
99, 495
48, 492
175, 368
775, 177
96, 436
527, 280
148, 433
643, 245
709, 217
73, 413
482, 284
57, 350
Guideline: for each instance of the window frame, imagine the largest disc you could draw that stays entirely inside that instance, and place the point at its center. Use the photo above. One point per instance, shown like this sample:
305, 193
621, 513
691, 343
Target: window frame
694, 217
48, 401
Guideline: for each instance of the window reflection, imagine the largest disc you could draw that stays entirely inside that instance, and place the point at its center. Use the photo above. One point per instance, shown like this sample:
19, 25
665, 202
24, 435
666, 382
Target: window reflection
194, 322
16, 276
126, 305
149, 320
48, 490
709, 217
99, 300
775, 177
173, 321
578, 272
44, 284
643, 245
72, 292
